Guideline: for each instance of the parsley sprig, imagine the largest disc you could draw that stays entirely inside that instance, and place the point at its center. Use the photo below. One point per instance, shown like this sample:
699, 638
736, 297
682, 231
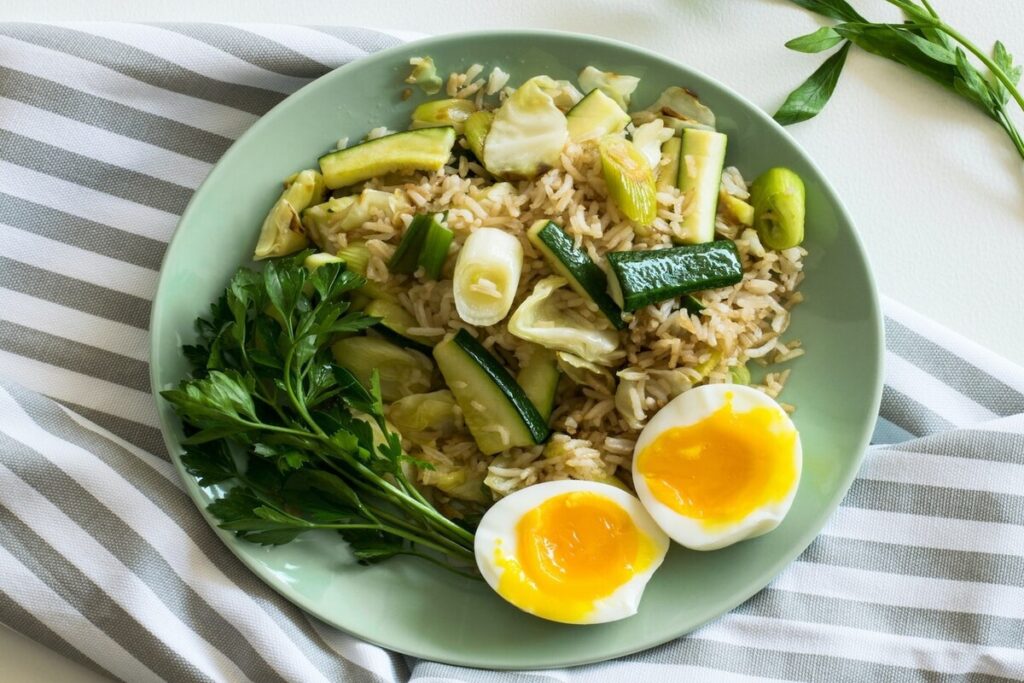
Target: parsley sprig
924, 43
303, 443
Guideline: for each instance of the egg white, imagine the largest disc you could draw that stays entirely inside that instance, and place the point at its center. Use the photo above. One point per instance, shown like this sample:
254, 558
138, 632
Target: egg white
498, 528
686, 409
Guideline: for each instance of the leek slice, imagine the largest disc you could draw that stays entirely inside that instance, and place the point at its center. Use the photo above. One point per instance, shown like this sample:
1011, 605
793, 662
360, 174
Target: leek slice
629, 178
487, 275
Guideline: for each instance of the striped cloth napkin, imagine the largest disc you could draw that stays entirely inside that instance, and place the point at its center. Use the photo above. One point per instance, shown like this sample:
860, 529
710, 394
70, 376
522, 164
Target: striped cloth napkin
105, 131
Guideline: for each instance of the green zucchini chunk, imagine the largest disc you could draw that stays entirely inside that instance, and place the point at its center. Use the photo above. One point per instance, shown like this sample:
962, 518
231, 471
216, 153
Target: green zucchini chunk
425, 149
702, 156
576, 266
647, 277
595, 115
497, 411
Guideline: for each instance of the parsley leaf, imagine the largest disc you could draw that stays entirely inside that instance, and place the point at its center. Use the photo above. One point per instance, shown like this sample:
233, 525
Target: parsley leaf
318, 452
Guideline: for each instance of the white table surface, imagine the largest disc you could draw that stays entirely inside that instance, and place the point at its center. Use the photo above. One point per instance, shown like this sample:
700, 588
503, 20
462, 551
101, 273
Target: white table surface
935, 188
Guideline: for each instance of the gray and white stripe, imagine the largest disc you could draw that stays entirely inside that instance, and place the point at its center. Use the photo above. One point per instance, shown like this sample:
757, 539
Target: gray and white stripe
105, 130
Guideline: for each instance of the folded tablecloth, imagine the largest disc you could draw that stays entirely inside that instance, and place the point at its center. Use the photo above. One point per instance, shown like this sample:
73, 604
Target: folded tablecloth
105, 131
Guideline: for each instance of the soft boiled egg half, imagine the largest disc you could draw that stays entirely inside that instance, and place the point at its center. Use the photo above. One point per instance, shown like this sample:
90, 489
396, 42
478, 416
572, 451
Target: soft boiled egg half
718, 464
577, 552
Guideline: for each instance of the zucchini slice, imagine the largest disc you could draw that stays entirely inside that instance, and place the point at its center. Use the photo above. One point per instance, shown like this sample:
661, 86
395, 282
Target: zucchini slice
647, 277
576, 266
401, 371
538, 377
595, 115
497, 411
701, 159
395, 322
425, 149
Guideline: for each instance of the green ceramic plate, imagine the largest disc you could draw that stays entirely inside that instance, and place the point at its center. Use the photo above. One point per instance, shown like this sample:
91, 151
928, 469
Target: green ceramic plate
410, 607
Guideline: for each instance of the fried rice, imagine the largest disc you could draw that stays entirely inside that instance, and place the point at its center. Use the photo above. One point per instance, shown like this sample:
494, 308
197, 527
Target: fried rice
665, 348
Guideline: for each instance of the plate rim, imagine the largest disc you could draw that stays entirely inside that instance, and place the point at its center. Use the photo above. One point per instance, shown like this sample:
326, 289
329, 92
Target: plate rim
763, 578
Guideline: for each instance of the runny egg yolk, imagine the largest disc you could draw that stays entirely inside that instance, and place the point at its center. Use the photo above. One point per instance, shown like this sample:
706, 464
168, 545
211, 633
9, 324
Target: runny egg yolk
571, 551
723, 467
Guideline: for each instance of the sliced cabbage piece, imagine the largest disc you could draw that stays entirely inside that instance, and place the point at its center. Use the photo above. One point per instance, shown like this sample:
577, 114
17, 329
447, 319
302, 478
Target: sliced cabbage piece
629, 401
495, 193
282, 232
564, 94
648, 139
421, 416
341, 214
583, 372
528, 132
475, 129
459, 481
675, 381
678, 108
540, 319
619, 87
487, 275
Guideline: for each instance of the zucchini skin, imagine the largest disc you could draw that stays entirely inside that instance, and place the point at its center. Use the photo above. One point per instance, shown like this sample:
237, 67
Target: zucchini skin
514, 394
390, 324
585, 276
393, 335
647, 277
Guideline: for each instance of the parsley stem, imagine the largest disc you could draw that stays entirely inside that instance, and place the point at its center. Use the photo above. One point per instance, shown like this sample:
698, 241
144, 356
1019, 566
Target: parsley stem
404, 499
1011, 130
272, 404
401, 533
397, 495
433, 560
402, 496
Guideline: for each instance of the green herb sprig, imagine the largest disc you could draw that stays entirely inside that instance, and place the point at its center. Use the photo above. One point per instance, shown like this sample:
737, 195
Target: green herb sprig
924, 43
305, 445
